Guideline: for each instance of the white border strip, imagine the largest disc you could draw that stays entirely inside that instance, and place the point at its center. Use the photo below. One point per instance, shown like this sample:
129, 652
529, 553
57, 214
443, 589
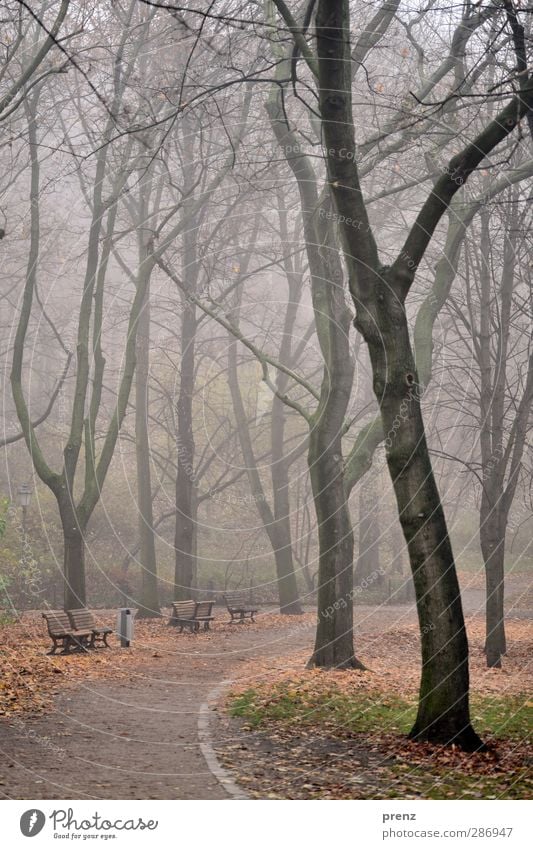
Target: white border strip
221, 774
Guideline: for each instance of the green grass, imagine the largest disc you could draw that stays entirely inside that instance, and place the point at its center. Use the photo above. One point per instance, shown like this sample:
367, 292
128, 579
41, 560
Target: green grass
367, 713
286, 707
510, 717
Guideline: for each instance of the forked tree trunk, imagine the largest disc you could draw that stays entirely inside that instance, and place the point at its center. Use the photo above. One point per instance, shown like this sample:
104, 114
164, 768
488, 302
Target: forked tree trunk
379, 294
443, 712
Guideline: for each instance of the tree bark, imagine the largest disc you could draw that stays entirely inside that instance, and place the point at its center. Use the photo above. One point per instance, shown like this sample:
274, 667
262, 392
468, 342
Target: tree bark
334, 636
443, 712
493, 551
276, 526
185, 478
368, 560
289, 598
149, 600
73, 556
378, 293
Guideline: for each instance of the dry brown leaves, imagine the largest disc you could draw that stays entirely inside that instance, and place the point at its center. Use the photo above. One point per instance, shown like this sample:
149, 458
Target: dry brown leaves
324, 760
392, 658
29, 678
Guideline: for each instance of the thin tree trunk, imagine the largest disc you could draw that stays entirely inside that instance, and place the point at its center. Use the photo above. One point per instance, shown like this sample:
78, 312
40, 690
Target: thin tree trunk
368, 561
289, 600
149, 600
492, 540
275, 527
185, 478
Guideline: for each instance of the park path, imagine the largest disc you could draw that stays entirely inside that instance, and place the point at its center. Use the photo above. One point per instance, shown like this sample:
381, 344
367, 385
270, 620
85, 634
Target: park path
134, 737
137, 737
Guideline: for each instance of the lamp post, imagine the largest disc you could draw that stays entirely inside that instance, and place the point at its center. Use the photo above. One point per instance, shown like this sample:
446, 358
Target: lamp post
24, 498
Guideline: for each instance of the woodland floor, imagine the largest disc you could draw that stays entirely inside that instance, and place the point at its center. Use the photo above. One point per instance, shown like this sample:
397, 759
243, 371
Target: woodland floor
123, 723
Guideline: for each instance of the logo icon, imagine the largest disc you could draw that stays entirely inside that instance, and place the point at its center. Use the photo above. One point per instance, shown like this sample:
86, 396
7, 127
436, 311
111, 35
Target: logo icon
32, 822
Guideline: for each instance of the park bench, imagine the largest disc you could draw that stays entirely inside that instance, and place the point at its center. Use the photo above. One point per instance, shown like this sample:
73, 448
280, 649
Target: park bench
204, 613
83, 619
191, 614
238, 607
64, 636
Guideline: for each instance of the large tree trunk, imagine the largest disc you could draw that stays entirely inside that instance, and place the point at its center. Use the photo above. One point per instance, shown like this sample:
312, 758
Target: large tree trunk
73, 557
492, 538
443, 713
149, 600
378, 293
334, 635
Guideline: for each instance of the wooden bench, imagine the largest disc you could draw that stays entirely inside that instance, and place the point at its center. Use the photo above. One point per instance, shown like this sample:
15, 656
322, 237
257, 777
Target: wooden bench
183, 614
238, 607
204, 613
83, 619
191, 614
64, 636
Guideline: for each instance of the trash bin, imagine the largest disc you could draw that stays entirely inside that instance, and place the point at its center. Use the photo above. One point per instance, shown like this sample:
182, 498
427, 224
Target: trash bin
125, 626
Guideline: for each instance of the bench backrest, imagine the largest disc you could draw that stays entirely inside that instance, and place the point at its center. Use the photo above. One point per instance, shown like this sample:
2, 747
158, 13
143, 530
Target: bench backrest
184, 609
81, 618
204, 608
57, 623
235, 600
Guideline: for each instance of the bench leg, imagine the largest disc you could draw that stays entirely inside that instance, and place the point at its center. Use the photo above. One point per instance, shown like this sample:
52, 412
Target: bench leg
66, 645
80, 644
55, 645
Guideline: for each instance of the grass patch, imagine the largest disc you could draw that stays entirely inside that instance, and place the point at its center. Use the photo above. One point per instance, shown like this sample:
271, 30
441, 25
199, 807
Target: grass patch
367, 712
364, 711
314, 712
